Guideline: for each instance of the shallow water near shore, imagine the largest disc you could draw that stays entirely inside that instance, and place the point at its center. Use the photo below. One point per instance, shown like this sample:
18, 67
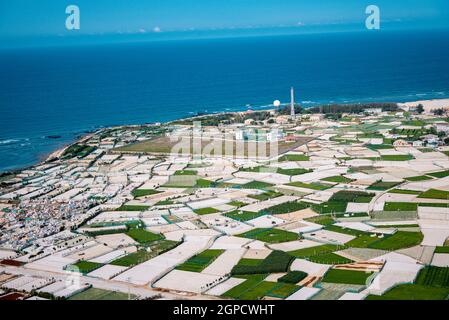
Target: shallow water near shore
70, 90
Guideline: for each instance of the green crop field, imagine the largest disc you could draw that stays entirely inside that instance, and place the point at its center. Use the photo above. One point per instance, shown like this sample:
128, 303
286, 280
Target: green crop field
137, 193
441, 174
433, 276
294, 157
293, 277
286, 207
323, 220
251, 282
352, 196
363, 241
382, 186
398, 157
257, 185
442, 250
402, 191
435, 194
270, 235
243, 215
93, 294
293, 172
143, 255
277, 261
400, 206
143, 237
337, 179
133, 208
205, 211
346, 276
84, 267
200, 262
265, 196
330, 207
282, 290
203, 183
312, 186
186, 173
413, 292
418, 178
399, 240
321, 254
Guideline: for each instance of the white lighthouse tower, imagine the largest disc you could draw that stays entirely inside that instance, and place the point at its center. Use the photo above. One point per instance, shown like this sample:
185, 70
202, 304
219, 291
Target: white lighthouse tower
292, 112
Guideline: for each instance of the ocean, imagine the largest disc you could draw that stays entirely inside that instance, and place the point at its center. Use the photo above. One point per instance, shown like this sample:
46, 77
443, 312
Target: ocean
50, 96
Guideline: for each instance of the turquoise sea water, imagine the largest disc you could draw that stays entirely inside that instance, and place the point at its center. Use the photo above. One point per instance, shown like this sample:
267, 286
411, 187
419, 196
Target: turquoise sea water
67, 91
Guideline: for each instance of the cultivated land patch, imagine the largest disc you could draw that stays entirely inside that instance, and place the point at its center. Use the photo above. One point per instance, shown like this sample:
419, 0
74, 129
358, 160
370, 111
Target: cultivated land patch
270, 235
243, 216
276, 262
293, 277
137, 193
435, 194
99, 294
346, 277
433, 276
313, 186
413, 292
337, 179
205, 211
143, 255
321, 254
286, 207
200, 262
143, 237
83, 267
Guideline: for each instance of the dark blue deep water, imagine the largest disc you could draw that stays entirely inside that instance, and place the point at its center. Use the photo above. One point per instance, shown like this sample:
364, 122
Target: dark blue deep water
67, 91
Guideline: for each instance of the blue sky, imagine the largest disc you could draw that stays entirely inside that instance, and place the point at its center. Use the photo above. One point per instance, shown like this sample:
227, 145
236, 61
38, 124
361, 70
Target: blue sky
47, 17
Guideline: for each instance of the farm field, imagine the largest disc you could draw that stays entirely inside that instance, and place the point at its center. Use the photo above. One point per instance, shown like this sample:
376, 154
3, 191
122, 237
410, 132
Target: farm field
200, 262
413, 292
143, 236
143, 255
277, 261
270, 235
243, 215
99, 294
346, 276
84, 267
322, 254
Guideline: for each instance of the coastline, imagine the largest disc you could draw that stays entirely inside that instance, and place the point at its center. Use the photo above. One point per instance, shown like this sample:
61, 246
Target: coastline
428, 105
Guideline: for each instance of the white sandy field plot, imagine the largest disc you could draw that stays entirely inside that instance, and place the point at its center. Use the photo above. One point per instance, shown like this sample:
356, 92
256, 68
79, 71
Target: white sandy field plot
230, 242
266, 221
116, 240
225, 286
329, 237
311, 268
107, 272
304, 293
294, 245
224, 263
186, 281
398, 269
440, 260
